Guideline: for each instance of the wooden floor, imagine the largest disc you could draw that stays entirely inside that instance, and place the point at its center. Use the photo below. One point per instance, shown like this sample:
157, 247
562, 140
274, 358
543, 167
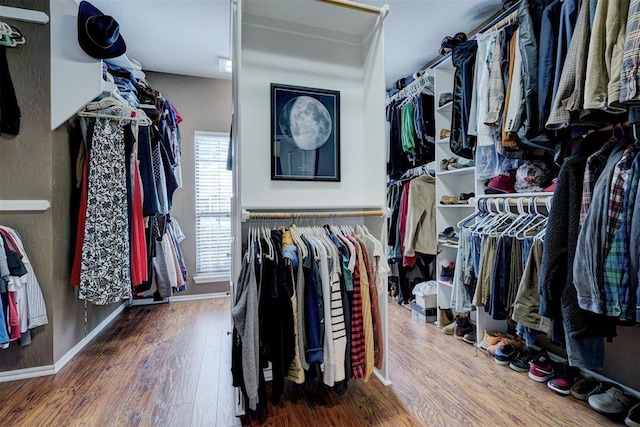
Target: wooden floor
168, 365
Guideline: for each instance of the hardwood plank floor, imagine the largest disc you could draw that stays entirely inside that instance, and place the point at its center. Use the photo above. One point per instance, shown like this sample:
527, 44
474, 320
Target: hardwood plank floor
169, 365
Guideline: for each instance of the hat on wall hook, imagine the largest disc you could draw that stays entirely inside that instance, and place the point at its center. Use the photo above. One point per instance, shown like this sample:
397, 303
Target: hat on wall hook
99, 34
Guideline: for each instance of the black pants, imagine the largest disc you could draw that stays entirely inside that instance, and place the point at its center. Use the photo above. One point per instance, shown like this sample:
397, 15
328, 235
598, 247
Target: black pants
463, 57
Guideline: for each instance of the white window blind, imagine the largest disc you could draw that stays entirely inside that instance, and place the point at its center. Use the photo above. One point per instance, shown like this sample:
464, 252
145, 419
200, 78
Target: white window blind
213, 205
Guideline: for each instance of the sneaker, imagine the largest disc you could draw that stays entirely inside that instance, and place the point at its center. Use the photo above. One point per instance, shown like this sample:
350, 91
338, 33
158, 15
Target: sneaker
444, 317
516, 342
463, 326
506, 355
491, 338
470, 338
447, 233
584, 387
633, 417
612, 402
449, 329
521, 363
541, 368
565, 378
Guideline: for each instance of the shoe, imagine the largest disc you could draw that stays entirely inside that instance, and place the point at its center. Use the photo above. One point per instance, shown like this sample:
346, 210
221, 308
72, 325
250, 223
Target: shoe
565, 378
491, 338
521, 363
445, 163
611, 403
454, 240
449, 329
506, 355
633, 417
448, 232
445, 133
445, 98
516, 342
463, 326
444, 317
470, 338
584, 387
466, 196
541, 368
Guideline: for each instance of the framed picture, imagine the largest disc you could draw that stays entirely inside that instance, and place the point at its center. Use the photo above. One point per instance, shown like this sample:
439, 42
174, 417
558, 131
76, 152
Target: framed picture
305, 134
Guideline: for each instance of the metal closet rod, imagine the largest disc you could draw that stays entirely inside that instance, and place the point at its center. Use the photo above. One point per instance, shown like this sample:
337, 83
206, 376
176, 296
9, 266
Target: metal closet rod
354, 6
303, 215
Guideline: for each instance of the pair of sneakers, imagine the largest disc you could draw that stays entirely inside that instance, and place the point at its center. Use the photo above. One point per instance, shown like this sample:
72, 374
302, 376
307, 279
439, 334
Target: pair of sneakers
560, 377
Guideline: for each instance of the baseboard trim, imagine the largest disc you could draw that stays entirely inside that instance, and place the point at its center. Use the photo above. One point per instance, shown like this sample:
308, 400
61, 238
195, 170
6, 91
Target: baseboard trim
86, 340
382, 379
26, 373
197, 297
43, 371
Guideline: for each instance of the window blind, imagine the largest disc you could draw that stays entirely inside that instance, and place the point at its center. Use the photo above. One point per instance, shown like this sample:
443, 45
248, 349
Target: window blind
213, 205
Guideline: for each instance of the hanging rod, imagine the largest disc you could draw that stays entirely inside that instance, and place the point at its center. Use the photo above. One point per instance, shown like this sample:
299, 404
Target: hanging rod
358, 6
26, 15
246, 215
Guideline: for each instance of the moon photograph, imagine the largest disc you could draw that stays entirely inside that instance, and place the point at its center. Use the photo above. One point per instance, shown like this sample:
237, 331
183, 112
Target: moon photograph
304, 133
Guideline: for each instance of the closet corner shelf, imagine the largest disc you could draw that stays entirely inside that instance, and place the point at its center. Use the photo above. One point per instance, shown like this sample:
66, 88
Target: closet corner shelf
24, 205
445, 107
447, 245
443, 283
514, 195
443, 140
458, 172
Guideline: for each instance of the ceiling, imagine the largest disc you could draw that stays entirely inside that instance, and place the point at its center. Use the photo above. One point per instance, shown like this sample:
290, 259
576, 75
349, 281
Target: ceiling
188, 36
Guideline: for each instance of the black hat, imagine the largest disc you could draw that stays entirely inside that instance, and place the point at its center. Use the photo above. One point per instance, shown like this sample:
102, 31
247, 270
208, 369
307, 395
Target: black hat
99, 34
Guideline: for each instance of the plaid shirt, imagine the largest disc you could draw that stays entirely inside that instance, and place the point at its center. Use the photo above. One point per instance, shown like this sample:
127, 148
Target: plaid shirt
570, 93
357, 328
630, 75
595, 164
617, 194
617, 285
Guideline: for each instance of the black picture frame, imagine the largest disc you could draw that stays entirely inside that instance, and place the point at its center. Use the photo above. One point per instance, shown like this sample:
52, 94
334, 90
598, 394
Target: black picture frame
305, 134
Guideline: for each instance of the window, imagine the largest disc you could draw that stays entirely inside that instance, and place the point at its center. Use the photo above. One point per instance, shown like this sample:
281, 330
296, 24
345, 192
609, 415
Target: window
213, 206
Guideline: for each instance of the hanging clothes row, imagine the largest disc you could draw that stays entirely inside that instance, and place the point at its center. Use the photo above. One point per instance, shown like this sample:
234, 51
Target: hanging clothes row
589, 273
412, 126
411, 228
10, 37
23, 307
307, 301
127, 170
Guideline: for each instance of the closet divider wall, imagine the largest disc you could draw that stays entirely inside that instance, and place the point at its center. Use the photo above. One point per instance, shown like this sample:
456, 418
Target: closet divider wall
319, 46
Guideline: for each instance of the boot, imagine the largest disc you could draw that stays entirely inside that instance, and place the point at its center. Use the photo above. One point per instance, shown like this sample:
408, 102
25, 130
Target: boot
463, 326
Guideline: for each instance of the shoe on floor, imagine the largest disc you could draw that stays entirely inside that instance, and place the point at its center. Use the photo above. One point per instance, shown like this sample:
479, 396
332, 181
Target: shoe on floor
506, 355
541, 368
633, 417
444, 317
470, 338
566, 377
516, 342
612, 402
584, 387
491, 338
449, 329
521, 363
463, 326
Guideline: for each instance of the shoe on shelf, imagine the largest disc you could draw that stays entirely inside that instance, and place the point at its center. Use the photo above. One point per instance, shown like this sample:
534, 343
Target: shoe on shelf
541, 368
454, 240
444, 317
461, 163
444, 164
470, 338
584, 387
449, 329
463, 326
445, 133
491, 338
446, 234
521, 363
612, 403
506, 355
446, 274
633, 417
566, 377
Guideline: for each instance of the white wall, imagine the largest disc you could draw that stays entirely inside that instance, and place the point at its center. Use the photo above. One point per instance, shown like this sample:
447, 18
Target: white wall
270, 56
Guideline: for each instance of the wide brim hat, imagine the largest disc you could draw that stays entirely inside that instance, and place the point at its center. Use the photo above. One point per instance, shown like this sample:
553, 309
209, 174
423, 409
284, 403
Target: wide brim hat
99, 34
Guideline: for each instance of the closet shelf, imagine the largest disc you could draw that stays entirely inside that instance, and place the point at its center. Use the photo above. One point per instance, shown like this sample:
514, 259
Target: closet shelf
443, 283
458, 172
24, 205
26, 15
447, 245
467, 206
443, 141
446, 107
